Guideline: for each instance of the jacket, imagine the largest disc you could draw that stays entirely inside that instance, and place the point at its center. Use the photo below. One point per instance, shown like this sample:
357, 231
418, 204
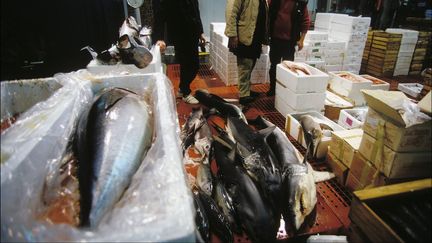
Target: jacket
288, 18
181, 19
241, 17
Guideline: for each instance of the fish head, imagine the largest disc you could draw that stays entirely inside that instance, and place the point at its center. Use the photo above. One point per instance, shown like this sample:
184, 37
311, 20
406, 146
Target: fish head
301, 197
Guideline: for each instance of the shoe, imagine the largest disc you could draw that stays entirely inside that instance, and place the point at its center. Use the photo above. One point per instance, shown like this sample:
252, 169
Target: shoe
190, 99
254, 94
246, 100
270, 93
179, 94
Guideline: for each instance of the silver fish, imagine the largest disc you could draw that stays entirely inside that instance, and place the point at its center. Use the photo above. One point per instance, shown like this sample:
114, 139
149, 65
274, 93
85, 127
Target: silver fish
205, 179
112, 141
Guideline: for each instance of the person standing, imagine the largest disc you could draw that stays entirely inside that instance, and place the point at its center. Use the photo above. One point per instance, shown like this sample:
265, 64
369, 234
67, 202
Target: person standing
183, 26
246, 28
289, 23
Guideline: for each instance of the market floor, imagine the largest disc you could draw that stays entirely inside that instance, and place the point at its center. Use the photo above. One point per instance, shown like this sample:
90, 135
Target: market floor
333, 199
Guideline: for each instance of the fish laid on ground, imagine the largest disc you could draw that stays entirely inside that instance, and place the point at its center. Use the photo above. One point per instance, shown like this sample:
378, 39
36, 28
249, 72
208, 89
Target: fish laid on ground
222, 106
201, 219
258, 159
298, 188
112, 141
296, 68
205, 179
224, 201
254, 213
218, 223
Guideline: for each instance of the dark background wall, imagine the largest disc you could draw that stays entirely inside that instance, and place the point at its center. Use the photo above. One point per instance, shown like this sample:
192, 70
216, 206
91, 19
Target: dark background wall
53, 32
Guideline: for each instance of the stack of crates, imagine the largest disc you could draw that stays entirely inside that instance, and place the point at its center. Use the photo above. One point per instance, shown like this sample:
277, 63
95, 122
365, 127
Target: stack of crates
420, 53
383, 54
366, 51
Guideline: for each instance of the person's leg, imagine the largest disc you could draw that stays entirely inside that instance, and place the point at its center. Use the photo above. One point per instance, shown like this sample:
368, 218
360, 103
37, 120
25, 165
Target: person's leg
287, 50
245, 67
275, 59
187, 54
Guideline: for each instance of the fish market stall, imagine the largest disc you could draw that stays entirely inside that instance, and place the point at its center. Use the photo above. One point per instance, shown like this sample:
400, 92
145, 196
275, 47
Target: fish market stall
156, 206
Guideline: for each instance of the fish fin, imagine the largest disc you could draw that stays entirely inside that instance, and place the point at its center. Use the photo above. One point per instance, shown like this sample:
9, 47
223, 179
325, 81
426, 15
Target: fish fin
325, 126
92, 52
266, 131
232, 153
320, 176
222, 142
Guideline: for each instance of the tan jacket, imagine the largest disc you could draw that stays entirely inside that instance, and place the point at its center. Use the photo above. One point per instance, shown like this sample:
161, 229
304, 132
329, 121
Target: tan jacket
240, 17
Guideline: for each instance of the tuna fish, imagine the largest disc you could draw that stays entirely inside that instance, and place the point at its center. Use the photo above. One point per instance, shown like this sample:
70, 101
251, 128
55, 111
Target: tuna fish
254, 213
221, 105
112, 141
298, 187
201, 219
205, 179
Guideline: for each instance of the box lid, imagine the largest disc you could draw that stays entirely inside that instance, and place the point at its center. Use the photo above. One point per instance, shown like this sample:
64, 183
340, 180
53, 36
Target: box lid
354, 142
425, 104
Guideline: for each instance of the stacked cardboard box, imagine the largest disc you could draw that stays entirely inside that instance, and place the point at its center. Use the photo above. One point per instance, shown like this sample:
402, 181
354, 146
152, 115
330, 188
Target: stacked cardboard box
334, 104
225, 63
296, 93
389, 150
420, 53
343, 146
383, 54
366, 51
406, 50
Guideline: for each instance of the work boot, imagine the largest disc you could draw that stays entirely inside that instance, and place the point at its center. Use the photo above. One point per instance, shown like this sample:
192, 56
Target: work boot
246, 100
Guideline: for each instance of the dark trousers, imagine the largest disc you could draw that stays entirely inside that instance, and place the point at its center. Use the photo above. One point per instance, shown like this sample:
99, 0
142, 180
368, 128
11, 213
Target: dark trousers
187, 55
279, 50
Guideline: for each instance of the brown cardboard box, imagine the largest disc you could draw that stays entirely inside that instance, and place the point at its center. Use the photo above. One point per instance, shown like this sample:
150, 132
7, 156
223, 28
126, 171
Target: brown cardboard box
339, 169
337, 140
425, 104
352, 183
350, 147
334, 104
396, 135
395, 165
365, 172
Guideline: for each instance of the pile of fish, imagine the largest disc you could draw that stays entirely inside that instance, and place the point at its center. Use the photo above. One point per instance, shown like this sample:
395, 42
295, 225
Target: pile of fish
249, 177
130, 48
296, 68
110, 143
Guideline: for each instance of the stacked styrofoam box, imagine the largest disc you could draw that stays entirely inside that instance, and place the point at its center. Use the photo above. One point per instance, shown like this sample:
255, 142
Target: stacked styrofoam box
313, 50
353, 31
225, 62
406, 50
323, 20
297, 93
334, 55
348, 85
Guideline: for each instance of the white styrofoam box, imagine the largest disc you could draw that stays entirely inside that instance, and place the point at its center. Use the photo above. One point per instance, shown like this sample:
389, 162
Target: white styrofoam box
340, 84
266, 49
323, 20
409, 40
316, 43
335, 45
321, 29
301, 54
293, 127
404, 59
347, 37
349, 60
401, 72
334, 60
217, 26
155, 66
353, 68
316, 64
300, 59
316, 57
376, 82
300, 102
352, 118
313, 35
354, 52
347, 28
333, 53
283, 107
359, 45
407, 48
313, 50
412, 89
314, 83
349, 20
404, 32
333, 99
332, 68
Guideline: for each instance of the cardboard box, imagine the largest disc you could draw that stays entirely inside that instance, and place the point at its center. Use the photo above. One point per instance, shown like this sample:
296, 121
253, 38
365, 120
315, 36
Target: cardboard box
425, 104
396, 135
352, 118
395, 165
337, 140
314, 83
350, 149
334, 104
349, 88
339, 169
293, 128
352, 183
376, 82
365, 172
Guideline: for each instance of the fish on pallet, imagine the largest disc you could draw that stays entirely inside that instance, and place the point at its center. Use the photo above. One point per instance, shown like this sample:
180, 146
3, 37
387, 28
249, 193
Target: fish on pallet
254, 213
298, 187
112, 140
222, 106
225, 203
201, 219
205, 179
